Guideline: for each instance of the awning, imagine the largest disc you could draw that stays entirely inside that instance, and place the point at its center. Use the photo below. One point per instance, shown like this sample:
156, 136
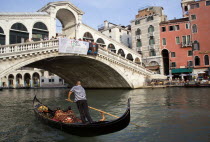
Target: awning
184, 70
153, 67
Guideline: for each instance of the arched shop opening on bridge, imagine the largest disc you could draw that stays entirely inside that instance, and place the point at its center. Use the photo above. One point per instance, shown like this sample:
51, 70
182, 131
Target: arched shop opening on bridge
40, 31
121, 53
101, 42
2, 37
65, 23
88, 37
129, 57
137, 61
111, 48
18, 33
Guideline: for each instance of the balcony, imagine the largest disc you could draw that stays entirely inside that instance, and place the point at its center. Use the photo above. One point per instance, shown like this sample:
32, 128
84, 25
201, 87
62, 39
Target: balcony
185, 45
138, 37
151, 34
151, 47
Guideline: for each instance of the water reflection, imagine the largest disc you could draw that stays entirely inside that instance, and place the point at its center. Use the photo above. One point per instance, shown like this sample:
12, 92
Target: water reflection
175, 114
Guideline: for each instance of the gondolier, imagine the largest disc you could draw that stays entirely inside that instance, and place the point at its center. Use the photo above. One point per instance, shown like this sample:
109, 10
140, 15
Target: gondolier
81, 101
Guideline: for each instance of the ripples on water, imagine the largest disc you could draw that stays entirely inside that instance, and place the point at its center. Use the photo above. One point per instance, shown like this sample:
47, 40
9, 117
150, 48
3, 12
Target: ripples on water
166, 115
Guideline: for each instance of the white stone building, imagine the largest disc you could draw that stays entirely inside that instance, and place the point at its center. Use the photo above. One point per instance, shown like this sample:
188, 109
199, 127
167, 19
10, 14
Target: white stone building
119, 33
145, 31
30, 77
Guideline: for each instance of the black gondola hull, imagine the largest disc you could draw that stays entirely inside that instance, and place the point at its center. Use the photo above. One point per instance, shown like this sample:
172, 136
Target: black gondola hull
88, 130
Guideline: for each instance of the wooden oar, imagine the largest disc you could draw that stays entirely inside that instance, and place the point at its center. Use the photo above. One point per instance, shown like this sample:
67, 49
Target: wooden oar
103, 112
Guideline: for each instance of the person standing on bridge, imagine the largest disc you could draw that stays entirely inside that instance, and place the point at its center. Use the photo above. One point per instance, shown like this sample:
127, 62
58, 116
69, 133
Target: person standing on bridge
81, 101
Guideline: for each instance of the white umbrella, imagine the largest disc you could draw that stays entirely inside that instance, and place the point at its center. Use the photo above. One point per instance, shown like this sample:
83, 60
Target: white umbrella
192, 74
201, 72
182, 75
169, 75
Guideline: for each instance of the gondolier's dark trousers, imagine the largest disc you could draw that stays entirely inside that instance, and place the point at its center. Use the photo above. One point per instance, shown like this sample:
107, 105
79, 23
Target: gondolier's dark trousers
84, 111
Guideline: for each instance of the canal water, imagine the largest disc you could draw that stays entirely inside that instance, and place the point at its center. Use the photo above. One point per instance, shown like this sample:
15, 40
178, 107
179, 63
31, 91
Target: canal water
165, 115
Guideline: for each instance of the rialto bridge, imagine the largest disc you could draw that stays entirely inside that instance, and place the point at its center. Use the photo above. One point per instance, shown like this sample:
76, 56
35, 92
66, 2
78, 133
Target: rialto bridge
115, 66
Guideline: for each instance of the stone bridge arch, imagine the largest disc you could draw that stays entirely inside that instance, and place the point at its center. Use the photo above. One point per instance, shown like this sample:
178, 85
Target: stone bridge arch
92, 72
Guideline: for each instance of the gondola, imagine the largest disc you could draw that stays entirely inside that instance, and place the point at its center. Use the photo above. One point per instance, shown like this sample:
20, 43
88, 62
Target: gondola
85, 130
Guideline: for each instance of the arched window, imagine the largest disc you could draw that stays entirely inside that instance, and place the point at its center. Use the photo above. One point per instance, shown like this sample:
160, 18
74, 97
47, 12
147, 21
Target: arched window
121, 52
151, 29
139, 43
206, 59
151, 41
138, 32
129, 57
194, 28
100, 42
88, 36
197, 61
111, 47
196, 45
137, 22
153, 63
2, 37
40, 31
18, 33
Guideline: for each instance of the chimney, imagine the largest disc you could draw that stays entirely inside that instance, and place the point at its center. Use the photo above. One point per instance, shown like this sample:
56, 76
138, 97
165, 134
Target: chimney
106, 24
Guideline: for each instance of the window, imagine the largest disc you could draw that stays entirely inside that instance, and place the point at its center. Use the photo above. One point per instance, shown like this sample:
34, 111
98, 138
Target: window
151, 41
190, 53
206, 59
128, 40
110, 31
152, 52
120, 30
193, 17
185, 8
42, 80
60, 80
138, 43
197, 61
176, 27
53, 80
196, 45
151, 29
193, 6
138, 32
177, 40
110, 36
163, 29
184, 40
189, 63
173, 54
173, 64
171, 28
137, 22
164, 41
188, 40
127, 32
187, 26
207, 3
194, 28
150, 18
50, 80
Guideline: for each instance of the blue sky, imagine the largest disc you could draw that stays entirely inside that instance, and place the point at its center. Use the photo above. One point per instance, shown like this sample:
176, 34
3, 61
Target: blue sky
96, 11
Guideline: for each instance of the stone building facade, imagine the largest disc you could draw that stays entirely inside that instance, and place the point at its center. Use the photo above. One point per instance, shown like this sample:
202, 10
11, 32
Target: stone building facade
146, 37
119, 33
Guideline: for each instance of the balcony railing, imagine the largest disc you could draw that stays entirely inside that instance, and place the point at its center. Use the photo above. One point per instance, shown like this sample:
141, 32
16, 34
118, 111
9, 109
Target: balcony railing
184, 45
151, 47
138, 37
150, 34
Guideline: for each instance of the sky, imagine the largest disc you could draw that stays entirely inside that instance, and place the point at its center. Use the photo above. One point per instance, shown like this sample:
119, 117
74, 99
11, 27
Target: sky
97, 11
